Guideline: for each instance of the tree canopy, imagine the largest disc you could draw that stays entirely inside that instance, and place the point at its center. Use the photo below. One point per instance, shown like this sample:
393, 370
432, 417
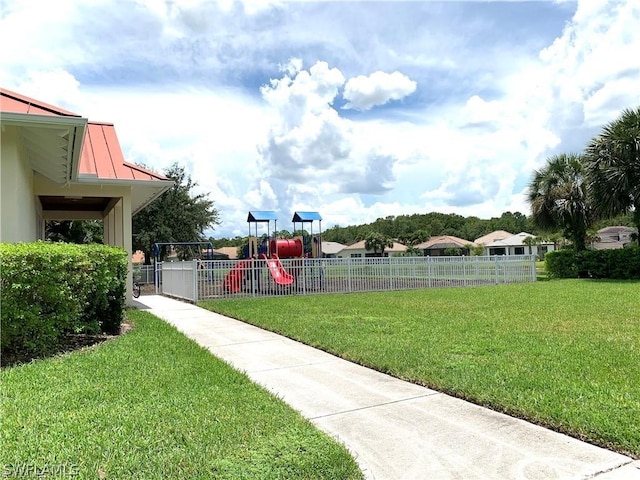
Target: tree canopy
74, 231
179, 215
377, 243
559, 198
613, 165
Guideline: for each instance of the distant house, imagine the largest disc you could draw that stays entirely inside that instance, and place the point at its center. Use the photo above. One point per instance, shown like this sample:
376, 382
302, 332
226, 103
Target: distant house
357, 250
614, 237
137, 257
230, 252
516, 245
442, 245
331, 249
493, 237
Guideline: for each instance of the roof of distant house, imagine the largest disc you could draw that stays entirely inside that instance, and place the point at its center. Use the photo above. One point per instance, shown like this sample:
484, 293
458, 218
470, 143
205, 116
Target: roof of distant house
397, 247
493, 237
444, 241
231, 252
517, 240
331, 248
617, 229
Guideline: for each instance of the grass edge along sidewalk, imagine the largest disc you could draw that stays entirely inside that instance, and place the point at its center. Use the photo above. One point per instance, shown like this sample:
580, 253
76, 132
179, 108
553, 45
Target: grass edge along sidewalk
153, 404
562, 353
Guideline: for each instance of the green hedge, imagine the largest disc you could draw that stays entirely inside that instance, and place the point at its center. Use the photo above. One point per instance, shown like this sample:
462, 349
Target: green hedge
50, 289
622, 263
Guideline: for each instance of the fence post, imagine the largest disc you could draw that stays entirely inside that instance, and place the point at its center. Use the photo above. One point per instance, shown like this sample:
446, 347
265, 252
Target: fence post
464, 271
429, 270
496, 268
349, 273
194, 266
534, 276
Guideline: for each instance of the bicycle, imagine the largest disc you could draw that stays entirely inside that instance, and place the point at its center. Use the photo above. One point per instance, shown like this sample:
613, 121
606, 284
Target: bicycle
136, 289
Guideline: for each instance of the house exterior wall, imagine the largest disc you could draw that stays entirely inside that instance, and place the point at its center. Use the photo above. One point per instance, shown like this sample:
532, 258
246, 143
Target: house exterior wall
19, 208
512, 250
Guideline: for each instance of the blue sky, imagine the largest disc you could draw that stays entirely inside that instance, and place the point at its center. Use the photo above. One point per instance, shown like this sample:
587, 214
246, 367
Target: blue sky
358, 110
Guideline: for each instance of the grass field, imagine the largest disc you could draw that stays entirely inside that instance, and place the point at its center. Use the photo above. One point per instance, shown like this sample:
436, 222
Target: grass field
152, 404
562, 353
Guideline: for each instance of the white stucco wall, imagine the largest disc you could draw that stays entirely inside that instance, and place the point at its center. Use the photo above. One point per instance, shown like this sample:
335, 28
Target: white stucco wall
19, 218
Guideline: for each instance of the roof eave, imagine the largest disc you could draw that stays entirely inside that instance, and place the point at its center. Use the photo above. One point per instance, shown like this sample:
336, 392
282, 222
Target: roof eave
76, 126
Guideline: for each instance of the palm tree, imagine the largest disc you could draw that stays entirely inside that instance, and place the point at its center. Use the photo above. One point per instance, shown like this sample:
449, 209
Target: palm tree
613, 165
558, 198
377, 242
530, 242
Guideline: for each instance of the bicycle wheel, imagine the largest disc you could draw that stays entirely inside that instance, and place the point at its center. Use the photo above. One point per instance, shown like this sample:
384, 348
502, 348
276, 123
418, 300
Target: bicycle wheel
136, 289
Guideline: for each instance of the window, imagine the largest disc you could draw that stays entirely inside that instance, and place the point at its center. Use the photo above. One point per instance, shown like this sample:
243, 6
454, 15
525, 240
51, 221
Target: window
356, 255
518, 250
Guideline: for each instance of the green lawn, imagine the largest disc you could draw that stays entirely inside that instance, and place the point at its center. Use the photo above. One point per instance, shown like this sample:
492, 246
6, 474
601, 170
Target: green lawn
563, 353
152, 404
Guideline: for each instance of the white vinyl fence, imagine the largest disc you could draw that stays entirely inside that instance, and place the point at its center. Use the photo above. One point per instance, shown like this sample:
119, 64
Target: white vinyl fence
143, 274
201, 280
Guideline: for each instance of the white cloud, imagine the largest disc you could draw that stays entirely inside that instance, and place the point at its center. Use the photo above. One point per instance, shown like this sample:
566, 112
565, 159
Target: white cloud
364, 93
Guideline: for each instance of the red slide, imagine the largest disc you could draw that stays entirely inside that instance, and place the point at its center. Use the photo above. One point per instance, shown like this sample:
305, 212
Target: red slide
233, 280
277, 271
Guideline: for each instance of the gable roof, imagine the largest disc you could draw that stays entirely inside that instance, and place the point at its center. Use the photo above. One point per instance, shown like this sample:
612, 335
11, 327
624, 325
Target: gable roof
617, 229
306, 217
493, 237
331, 248
397, 247
68, 148
444, 241
514, 241
12, 102
261, 216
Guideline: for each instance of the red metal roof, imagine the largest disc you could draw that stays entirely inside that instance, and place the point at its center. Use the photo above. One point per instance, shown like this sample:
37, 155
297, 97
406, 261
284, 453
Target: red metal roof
16, 103
101, 154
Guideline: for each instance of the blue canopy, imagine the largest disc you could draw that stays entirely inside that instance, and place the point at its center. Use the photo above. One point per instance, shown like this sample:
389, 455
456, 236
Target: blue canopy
306, 216
265, 216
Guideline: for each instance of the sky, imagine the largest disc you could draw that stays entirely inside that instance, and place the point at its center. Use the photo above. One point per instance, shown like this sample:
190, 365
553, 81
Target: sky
355, 109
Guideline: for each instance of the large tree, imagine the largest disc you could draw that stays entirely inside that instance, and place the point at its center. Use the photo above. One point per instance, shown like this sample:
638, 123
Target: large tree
179, 215
559, 198
613, 165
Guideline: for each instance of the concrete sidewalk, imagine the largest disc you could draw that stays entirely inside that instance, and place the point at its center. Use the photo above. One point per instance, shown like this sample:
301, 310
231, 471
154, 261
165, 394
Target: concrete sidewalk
393, 428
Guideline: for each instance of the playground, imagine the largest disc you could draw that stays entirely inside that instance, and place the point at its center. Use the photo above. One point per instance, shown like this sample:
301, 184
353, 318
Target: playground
274, 266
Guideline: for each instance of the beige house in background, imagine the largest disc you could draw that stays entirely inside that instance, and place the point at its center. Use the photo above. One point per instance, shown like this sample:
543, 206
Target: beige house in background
57, 165
516, 245
331, 249
438, 246
357, 250
614, 237
493, 237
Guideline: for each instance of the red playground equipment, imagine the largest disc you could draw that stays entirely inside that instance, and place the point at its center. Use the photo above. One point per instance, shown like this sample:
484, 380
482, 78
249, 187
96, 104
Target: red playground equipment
245, 274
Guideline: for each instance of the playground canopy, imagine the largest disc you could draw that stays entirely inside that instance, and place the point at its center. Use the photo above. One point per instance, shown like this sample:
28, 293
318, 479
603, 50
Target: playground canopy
262, 216
306, 217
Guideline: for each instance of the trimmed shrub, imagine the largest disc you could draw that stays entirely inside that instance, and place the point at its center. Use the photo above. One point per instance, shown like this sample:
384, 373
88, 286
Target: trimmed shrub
106, 296
561, 264
49, 290
621, 264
